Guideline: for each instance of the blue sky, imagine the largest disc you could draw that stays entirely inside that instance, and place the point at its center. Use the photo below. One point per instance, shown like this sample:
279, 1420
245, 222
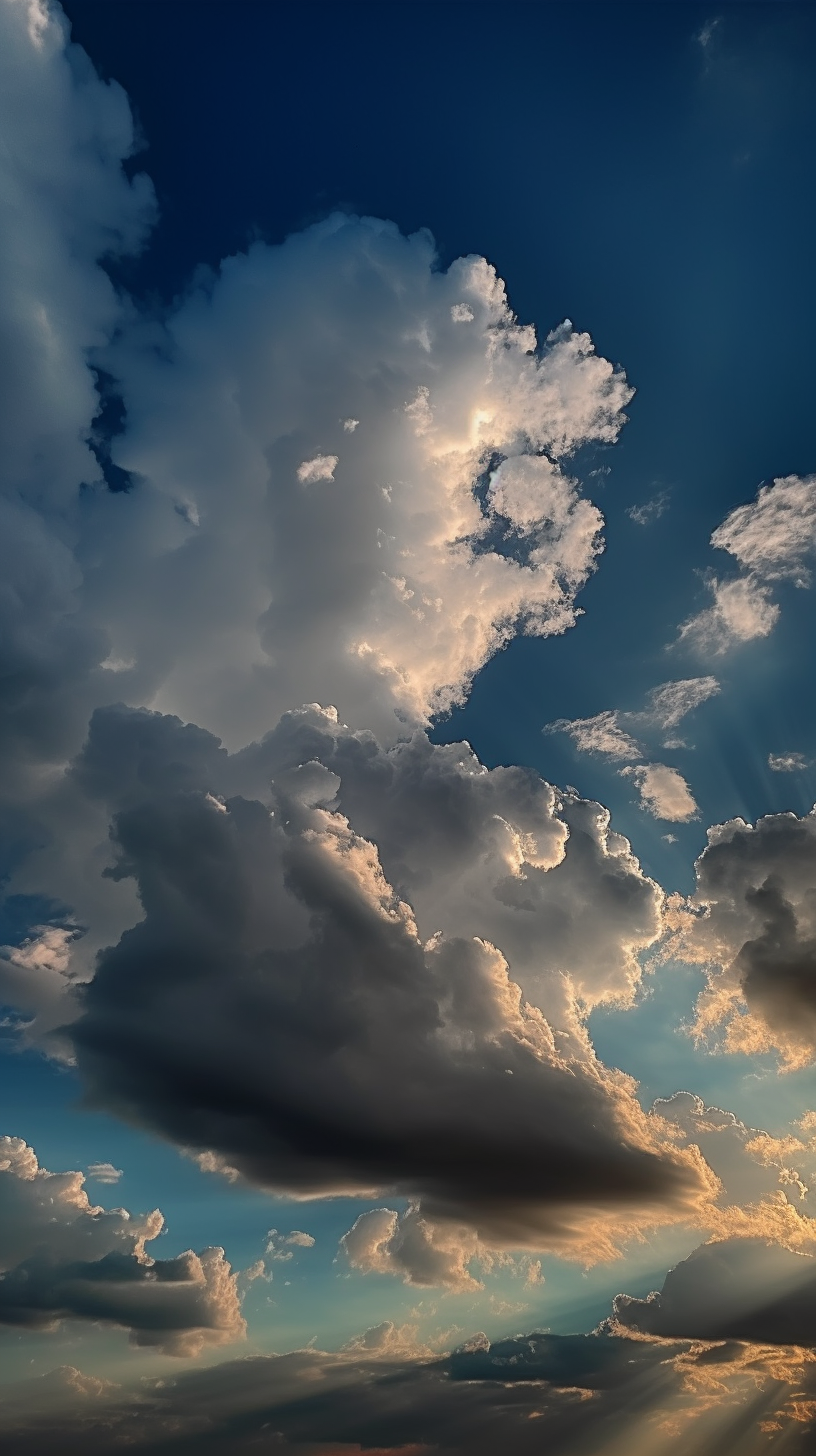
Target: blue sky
293, 417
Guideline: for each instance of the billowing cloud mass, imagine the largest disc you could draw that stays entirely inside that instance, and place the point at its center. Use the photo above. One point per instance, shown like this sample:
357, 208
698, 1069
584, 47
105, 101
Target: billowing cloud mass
350, 1024
772, 538
751, 922
63, 1258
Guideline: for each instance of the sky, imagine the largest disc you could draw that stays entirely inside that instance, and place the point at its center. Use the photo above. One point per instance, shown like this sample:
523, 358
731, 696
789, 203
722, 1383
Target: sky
407, 828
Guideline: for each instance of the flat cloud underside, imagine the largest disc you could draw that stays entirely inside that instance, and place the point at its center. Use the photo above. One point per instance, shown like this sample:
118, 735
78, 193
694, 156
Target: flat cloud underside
279, 1007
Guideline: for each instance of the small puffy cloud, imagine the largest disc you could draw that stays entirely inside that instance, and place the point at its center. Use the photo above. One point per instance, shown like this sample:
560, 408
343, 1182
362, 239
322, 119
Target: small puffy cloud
424, 1254
62, 1258
742, 611
322, 467
602, 734
282, 1246
752, 923
650, 510
104, 1172
787, 762
663, 792
772, 538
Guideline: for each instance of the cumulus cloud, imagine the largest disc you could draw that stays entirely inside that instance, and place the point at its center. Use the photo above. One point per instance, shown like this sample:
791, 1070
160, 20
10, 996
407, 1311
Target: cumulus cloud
387, 592
663, 792
333, 949
385, 1242
283, 1246
61, 1258
741, 611
751, 923
66, 203
772, 538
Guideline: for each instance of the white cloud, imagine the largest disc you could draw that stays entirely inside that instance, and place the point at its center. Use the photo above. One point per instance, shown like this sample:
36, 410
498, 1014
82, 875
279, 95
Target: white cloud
771, 538
282, 1246
384, 1242
601, 734
663, 792
672, 701
104, 1172
774, 535
322, 467
787, 762
742, 611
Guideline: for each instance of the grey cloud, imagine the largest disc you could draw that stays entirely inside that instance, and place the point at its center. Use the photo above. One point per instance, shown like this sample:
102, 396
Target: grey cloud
752, 922
739, 1289
566, 1394
330, 1043
61, 1258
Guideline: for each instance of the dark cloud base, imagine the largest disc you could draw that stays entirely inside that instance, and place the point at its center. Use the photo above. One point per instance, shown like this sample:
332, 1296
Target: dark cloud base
581, 1395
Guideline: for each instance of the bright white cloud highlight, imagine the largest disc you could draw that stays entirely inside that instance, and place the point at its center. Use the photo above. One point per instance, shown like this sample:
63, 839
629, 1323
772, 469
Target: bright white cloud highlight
663, 792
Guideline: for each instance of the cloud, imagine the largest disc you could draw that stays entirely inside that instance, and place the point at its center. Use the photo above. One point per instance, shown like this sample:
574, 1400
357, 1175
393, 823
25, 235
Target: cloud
282, 1246
669, 703
787, 762
650, 510
104, 1172
737, 1289
751, 923
386, 594
774, 535
384, 1242
335, 952
384, 1393
742, 611
601, 734
663, 792
322, 467
66, 203
63, 1258
771, 538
